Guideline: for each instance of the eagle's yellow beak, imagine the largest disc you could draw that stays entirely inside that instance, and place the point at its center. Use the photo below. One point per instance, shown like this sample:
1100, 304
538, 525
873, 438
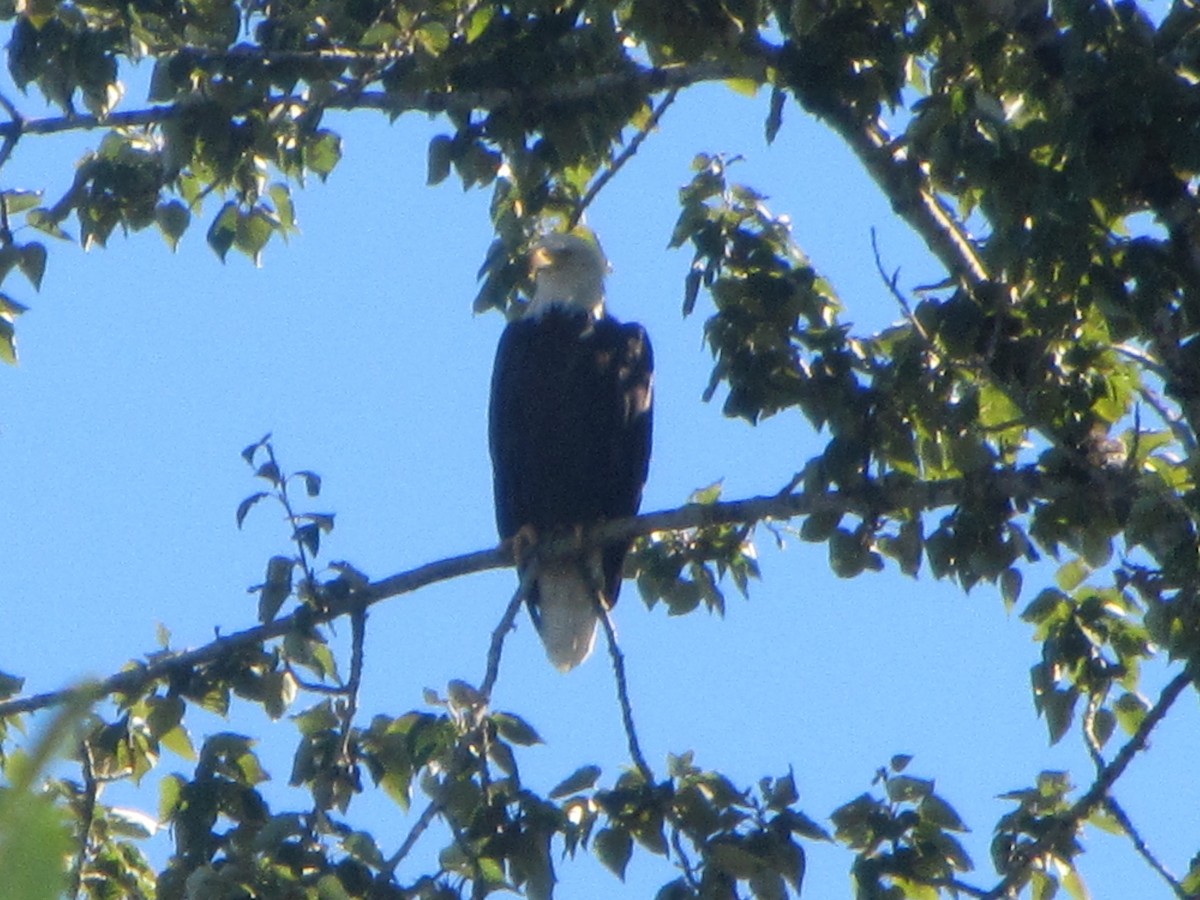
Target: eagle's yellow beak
542, 257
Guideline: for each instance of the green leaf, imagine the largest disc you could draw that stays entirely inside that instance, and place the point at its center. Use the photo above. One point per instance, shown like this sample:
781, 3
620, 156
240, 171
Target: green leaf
316, 719
731, 856
34, 841
312, 482
223, 230
172, 219
819, 526
1010, 587
434, 37
254, 229
1072, 574
747, 87
481, 17
33, 262
379, 34
19, 201
906, 789
775, 116
323, 152
329, 887
935, 810
614, 847
1058, 706
43, 221
285, 209
706, 496
440, 156
245, 506
10, 685
1072, 881
8, 341
277, 587
768, 885
1130, 710
1043, 885
170, 797
278, 692
179, 742
515, 729
581, 779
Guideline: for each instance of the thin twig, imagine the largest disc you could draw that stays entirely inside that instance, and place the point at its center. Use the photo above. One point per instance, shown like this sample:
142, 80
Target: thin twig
419, 827
892, 283
1089, 733
333, 690
957, 886
504, 626
293, 520
1114, 809
16, 125
1172, 419
91, 792
358, 640
618, 663
623, 157
685, 863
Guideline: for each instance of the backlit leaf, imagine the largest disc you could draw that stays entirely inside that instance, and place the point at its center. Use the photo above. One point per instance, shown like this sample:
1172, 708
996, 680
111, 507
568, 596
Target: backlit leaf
614, 847
581, 779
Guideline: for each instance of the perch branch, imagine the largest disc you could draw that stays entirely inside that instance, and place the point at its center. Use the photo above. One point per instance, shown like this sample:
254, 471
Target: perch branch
1021, 484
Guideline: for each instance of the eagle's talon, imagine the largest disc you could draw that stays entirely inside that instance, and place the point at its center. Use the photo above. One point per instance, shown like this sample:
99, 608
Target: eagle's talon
524, 542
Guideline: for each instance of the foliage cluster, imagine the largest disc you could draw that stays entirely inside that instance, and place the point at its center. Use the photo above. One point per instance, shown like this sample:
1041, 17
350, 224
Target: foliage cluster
1043, 400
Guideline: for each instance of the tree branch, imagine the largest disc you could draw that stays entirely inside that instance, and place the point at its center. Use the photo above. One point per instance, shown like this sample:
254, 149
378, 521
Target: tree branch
1097, 794
419, 828
618, 663
91, 793
648, 79
1118, 813
625, 155
1021, 484
504, 627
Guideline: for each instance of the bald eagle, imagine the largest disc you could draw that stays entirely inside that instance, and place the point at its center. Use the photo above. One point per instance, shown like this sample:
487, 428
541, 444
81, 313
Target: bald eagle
569, 432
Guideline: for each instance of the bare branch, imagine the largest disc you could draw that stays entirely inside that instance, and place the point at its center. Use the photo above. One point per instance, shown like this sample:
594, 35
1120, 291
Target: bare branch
1117, 812
419, 828
625, 155
504, 627
618, 663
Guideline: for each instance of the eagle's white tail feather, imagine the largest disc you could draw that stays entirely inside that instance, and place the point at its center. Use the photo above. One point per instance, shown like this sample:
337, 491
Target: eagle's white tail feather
567, 616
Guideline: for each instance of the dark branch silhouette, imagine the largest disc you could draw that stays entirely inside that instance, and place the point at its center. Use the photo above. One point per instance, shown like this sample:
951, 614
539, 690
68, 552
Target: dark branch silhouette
874, 500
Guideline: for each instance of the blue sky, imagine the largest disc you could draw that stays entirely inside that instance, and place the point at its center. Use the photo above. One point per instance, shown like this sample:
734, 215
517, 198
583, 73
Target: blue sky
144, 372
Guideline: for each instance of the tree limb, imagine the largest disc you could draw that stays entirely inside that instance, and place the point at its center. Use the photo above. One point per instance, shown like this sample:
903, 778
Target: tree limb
1023, 484
648, 79
1097, 794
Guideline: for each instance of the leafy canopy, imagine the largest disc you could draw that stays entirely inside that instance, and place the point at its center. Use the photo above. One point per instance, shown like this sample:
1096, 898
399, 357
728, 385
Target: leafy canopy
1043, 400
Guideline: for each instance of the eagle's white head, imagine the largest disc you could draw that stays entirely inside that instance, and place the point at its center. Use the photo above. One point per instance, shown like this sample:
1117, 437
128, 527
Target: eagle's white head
568, 271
